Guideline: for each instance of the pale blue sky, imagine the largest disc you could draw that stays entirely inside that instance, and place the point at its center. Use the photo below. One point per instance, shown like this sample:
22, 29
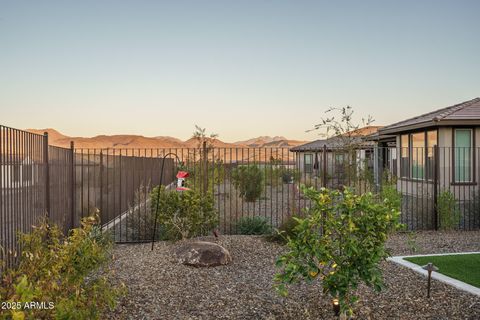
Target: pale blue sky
239, 68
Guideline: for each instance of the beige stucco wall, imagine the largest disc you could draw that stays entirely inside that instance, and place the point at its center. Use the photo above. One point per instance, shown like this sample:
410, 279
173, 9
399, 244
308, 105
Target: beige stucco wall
461, 192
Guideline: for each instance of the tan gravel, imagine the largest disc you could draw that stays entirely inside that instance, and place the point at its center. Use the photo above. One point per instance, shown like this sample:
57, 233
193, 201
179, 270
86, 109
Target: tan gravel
160, 288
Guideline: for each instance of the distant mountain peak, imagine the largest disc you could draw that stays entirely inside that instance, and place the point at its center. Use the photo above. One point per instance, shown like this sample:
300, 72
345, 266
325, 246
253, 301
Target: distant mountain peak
138, 141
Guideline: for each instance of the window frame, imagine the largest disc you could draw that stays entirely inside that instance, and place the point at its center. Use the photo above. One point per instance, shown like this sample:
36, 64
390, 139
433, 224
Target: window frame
472, 180
424, 155
427, 146
409, 134
407, 176
310, 170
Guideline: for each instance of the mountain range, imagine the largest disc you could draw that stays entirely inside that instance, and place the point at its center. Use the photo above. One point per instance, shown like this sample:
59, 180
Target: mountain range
137, 141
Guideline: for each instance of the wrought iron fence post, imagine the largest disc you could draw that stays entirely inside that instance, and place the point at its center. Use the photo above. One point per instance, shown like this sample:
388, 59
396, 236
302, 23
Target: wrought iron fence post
436, 171
101, 188
205, 167
47, 174
324, 166
72, 185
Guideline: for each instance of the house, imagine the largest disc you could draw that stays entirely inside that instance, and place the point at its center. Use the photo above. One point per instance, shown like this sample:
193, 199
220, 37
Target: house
434, 153
455, 130
311, 160
17, 172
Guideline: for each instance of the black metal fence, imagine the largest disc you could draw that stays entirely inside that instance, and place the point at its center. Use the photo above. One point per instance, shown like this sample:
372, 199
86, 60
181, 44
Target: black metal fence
437, 186
39, 181
117, 183
23, 186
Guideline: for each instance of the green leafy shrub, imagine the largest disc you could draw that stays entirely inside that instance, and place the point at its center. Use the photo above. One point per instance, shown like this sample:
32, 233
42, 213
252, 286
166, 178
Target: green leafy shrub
289, 175
448, 211
340, 241
184, 214
390, 192
253, 225
286, 230
249, 181
61, 271
272, 175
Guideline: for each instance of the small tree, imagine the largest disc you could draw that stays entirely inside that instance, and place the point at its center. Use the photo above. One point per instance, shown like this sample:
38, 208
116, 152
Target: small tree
249, 181
345, 138
342, 127
205, 169
341, 242
201, 136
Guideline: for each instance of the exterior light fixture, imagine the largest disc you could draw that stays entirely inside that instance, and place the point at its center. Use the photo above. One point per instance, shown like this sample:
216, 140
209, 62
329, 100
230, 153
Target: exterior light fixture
336, 306
430, 268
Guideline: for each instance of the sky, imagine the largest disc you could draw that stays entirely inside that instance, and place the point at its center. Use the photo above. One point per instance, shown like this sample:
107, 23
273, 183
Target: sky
238, 68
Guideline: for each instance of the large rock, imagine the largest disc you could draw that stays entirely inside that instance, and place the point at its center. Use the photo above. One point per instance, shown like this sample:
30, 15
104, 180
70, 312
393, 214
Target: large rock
202, 254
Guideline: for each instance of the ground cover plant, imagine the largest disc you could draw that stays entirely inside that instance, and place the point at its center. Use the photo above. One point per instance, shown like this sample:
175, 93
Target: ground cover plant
341, 242
253, 226
60, 272
464, 267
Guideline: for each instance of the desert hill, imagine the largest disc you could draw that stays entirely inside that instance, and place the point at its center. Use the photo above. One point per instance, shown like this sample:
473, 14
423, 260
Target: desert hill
56, 138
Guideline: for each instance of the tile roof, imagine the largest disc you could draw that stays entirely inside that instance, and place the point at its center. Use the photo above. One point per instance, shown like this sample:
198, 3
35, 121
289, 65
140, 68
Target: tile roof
468, 110
330, 143
357, 136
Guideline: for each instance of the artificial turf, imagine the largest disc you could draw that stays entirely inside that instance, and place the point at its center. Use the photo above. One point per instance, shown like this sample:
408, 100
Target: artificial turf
463, 267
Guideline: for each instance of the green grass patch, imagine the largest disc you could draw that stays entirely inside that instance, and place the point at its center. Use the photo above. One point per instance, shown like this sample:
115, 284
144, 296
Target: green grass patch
463, 267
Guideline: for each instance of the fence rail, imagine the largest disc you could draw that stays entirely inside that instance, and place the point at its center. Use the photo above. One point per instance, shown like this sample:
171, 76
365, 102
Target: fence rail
65, 184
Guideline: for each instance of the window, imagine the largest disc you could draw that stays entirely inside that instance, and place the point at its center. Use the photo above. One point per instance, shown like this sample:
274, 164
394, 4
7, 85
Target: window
431, 143
339, 158
418, 155
307, 163
463, 155
404, 156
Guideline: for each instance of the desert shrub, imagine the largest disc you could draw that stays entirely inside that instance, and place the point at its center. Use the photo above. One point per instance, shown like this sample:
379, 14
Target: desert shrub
203, 174
275, 174
390, 192
412, 244
184, 214
62, 271
253, 225
289, 175
341, 242
248, 180
285, 231
272, 175
448, 211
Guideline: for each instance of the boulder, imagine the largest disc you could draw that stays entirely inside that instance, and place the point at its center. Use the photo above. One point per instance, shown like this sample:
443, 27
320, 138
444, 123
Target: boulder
202, 254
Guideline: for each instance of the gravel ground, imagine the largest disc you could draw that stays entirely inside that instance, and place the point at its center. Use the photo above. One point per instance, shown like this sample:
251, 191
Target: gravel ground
160, 288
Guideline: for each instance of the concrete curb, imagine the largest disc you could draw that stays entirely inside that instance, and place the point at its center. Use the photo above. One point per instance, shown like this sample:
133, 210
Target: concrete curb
435, 275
